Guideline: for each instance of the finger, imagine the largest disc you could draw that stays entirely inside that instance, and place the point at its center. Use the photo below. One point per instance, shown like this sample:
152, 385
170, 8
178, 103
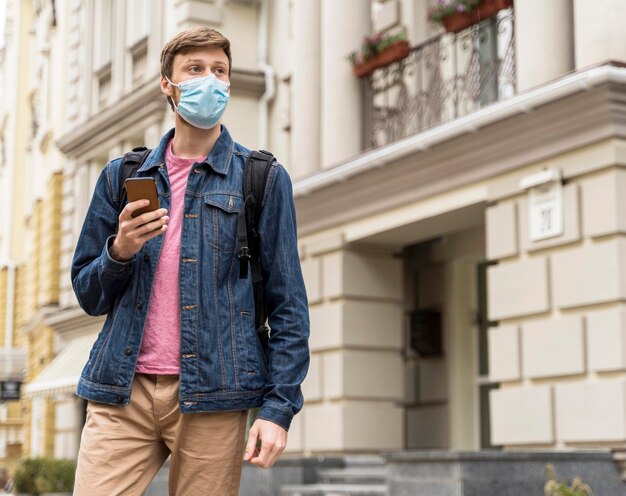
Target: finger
132, 227
132, 207
251, 450
152, 234
277, 450
264, 455
150, 216
152, 226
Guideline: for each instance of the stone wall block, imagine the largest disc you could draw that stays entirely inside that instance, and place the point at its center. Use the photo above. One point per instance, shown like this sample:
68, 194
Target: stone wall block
363, 374
522, 416
350, 274
591, 412
606, 340
341, 427
553, 348
502, 231
504, 354
604, 203
518, 288
590, 274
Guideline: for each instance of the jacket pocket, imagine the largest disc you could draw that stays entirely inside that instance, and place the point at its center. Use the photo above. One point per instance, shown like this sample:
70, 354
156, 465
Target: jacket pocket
220, 219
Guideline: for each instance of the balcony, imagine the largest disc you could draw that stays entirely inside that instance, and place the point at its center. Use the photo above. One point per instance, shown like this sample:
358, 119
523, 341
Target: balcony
442, 79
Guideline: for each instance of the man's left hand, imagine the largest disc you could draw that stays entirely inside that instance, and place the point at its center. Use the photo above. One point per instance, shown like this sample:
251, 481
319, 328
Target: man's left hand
273, 440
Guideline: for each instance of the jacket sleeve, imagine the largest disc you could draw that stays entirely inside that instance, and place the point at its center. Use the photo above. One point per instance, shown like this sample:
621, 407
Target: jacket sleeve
287, 305
98, 279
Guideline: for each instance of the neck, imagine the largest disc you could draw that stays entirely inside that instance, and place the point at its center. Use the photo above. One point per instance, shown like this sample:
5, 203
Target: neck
192, 142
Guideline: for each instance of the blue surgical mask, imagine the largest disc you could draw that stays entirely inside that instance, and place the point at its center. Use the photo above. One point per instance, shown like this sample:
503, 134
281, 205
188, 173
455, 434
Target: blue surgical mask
202, 100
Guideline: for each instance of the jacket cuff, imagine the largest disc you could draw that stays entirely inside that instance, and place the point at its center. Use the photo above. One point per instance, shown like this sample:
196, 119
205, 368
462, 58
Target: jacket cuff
112, 266
276, 415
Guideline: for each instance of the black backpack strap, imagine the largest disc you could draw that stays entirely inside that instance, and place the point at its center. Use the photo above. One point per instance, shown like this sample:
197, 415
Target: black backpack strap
130, 163
256, 172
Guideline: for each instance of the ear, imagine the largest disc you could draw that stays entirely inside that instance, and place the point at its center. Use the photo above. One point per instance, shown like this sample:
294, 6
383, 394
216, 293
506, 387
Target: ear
166, 87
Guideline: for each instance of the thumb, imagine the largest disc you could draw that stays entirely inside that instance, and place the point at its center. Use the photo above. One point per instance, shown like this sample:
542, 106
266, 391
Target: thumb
251, 446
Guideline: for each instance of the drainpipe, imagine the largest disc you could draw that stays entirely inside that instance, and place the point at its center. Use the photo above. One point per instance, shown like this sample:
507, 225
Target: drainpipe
268, 72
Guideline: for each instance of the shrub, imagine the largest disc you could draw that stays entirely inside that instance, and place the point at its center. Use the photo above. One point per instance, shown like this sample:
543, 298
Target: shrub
44, 475
557, 488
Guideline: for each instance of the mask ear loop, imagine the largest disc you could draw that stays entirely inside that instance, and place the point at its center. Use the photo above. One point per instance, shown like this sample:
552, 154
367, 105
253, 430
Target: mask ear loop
169, 97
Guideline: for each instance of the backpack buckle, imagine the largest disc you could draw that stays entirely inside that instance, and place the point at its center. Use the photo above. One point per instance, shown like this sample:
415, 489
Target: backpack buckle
244, 254
244, 257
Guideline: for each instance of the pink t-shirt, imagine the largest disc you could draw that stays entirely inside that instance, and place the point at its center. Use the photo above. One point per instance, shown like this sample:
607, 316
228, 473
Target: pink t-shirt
160, 350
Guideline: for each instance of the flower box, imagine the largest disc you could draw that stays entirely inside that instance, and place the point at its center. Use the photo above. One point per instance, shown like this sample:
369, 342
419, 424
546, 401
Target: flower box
397, 51
462, 20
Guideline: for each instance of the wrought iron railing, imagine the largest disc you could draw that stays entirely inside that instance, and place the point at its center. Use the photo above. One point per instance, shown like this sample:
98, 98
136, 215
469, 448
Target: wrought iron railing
446, 77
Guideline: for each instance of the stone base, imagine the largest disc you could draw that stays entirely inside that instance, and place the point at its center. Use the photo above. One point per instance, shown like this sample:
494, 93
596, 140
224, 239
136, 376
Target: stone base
427, 473
498, 473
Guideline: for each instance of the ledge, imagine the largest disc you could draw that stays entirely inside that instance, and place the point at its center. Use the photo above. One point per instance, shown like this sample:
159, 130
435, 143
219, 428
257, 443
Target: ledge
495, 455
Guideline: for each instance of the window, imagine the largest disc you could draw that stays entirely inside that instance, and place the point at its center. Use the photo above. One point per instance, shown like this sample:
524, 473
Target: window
103, 33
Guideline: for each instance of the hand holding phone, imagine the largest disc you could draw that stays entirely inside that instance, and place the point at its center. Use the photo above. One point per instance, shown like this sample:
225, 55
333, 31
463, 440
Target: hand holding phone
140, 220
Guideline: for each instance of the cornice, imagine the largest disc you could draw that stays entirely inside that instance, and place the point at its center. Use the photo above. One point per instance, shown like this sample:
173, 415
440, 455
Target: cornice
500, 138
131, 110
72, 322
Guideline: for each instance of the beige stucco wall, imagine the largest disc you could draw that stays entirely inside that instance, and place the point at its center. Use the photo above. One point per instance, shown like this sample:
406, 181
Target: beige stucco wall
558, 351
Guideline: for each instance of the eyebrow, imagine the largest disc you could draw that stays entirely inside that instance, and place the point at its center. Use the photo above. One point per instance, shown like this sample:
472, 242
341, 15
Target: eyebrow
196, 61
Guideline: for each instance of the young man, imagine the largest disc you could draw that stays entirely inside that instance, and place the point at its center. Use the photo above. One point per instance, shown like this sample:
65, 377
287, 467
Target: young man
178, 362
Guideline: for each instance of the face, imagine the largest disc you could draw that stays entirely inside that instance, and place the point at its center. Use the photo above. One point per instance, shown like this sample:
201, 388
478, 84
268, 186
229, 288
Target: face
197, 63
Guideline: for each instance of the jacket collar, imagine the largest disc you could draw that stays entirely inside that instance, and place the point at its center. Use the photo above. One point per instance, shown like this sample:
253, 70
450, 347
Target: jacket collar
218, 159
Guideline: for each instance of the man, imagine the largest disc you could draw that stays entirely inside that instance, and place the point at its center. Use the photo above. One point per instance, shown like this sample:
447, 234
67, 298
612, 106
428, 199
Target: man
178, 362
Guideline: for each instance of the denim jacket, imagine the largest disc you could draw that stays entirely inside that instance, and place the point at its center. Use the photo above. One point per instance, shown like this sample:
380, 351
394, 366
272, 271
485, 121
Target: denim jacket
222, 363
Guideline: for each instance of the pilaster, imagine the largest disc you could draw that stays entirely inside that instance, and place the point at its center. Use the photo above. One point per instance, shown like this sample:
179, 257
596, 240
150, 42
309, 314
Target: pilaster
356, 379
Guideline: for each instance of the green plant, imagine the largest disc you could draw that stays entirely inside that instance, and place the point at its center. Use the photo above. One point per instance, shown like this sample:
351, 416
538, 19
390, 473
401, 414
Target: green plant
373, 45
446, 8
44, 475
553, 487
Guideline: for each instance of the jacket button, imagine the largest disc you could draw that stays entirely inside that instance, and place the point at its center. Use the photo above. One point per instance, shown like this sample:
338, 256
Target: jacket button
139, 305
128, 350
120, 398
146, 258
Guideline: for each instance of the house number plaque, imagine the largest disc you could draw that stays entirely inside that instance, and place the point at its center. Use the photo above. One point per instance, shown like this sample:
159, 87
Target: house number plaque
545, 203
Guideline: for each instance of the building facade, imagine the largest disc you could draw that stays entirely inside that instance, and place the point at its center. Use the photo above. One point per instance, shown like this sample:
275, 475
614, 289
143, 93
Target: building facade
460, 211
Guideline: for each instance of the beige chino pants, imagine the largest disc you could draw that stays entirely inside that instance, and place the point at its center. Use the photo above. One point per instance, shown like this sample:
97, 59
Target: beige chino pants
122, 448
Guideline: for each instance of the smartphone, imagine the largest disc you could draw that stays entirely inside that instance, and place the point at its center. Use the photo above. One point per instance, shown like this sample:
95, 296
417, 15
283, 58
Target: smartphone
142, 188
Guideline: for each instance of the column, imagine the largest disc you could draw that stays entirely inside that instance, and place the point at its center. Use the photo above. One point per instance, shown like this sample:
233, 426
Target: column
355, 386
543, 41
599, 31
342, 111
306, 114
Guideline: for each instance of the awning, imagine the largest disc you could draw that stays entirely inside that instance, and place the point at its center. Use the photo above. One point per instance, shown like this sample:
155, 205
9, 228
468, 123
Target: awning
62, 374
